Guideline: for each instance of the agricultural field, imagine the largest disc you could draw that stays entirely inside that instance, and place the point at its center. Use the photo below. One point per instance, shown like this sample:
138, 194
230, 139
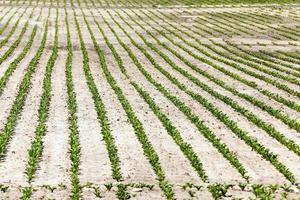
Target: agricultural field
149, 99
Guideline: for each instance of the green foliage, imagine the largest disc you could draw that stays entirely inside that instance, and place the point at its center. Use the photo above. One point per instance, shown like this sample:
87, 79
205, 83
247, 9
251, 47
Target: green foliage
13, 65
220, 115
10, 33
74, 143
3, 188
3, 28
101, 112
26, 193
108, 186
36, 149
19, 102
218, 190
136, 124
262, 192
122, 193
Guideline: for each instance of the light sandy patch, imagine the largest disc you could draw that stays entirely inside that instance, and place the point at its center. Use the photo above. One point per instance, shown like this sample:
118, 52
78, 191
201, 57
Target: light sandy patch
89, 194
134, 167
245, 125
11, 193
13, 167
192, 193
55, 155
16, 33
12, 22
231, 140
154, 193
137, 193
95, 165
216, 167
290, 133
44, 193
5, 64
10, 91
282, 81
236, 192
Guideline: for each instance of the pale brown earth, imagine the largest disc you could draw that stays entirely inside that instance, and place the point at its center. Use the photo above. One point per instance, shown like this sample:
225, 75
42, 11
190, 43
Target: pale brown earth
53, 177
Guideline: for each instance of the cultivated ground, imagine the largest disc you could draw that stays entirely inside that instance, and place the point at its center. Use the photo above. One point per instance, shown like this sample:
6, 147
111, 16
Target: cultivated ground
149, 99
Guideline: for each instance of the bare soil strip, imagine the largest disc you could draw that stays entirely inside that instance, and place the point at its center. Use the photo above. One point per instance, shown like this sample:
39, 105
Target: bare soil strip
172, 100
95, 166
14, 165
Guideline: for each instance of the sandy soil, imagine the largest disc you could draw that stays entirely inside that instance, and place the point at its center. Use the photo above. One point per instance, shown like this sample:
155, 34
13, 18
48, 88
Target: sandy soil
52, 179
187, 99
95, 165
188, 131
16, 159
9, 93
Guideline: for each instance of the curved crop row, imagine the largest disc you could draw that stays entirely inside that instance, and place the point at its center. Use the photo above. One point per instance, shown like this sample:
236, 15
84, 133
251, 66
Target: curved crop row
276, 97
246, 58
4, 14
17, 41
14, 64
149, 151
36, 149
294, 56
249, 115
263, 22
278, 55
203, 129
5, 40
3, 28
276, 113
221, 116
171, 129
19, 102
100, 109
238, 19
249, 72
